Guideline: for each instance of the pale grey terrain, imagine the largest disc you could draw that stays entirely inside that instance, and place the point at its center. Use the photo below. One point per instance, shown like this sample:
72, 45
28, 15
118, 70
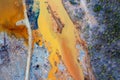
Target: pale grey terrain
100, 27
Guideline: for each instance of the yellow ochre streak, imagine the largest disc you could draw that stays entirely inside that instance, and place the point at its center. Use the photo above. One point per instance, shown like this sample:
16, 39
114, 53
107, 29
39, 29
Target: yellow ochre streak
64, 42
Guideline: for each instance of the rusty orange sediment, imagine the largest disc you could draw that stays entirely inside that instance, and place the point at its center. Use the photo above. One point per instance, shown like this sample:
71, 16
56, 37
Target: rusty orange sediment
11, 18
64, 41
9, 15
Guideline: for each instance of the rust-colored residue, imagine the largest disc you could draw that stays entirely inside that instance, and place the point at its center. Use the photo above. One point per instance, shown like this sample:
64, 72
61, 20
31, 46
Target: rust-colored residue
65, 42
57, 20
12, 11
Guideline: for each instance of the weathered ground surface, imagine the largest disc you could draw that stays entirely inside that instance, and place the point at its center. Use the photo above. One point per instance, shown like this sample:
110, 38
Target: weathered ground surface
68, 35
13, 55
98, 21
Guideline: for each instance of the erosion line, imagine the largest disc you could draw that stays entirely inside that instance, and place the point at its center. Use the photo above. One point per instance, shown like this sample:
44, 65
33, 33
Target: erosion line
27, 73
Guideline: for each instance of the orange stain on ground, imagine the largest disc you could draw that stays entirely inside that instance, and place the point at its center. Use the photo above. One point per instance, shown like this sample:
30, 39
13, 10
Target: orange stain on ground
12, 11
65, 42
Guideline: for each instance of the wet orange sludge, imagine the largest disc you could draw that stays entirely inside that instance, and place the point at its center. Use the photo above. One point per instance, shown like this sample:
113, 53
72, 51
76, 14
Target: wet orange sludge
64, 42
12, 11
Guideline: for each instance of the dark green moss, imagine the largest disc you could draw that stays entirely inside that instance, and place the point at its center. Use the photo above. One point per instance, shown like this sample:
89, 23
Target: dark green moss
97, 8
101, 0
73, 2
108, 11
110, 77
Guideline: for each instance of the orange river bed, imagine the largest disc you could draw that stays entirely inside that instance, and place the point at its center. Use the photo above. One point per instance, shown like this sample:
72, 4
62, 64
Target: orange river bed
64, 43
